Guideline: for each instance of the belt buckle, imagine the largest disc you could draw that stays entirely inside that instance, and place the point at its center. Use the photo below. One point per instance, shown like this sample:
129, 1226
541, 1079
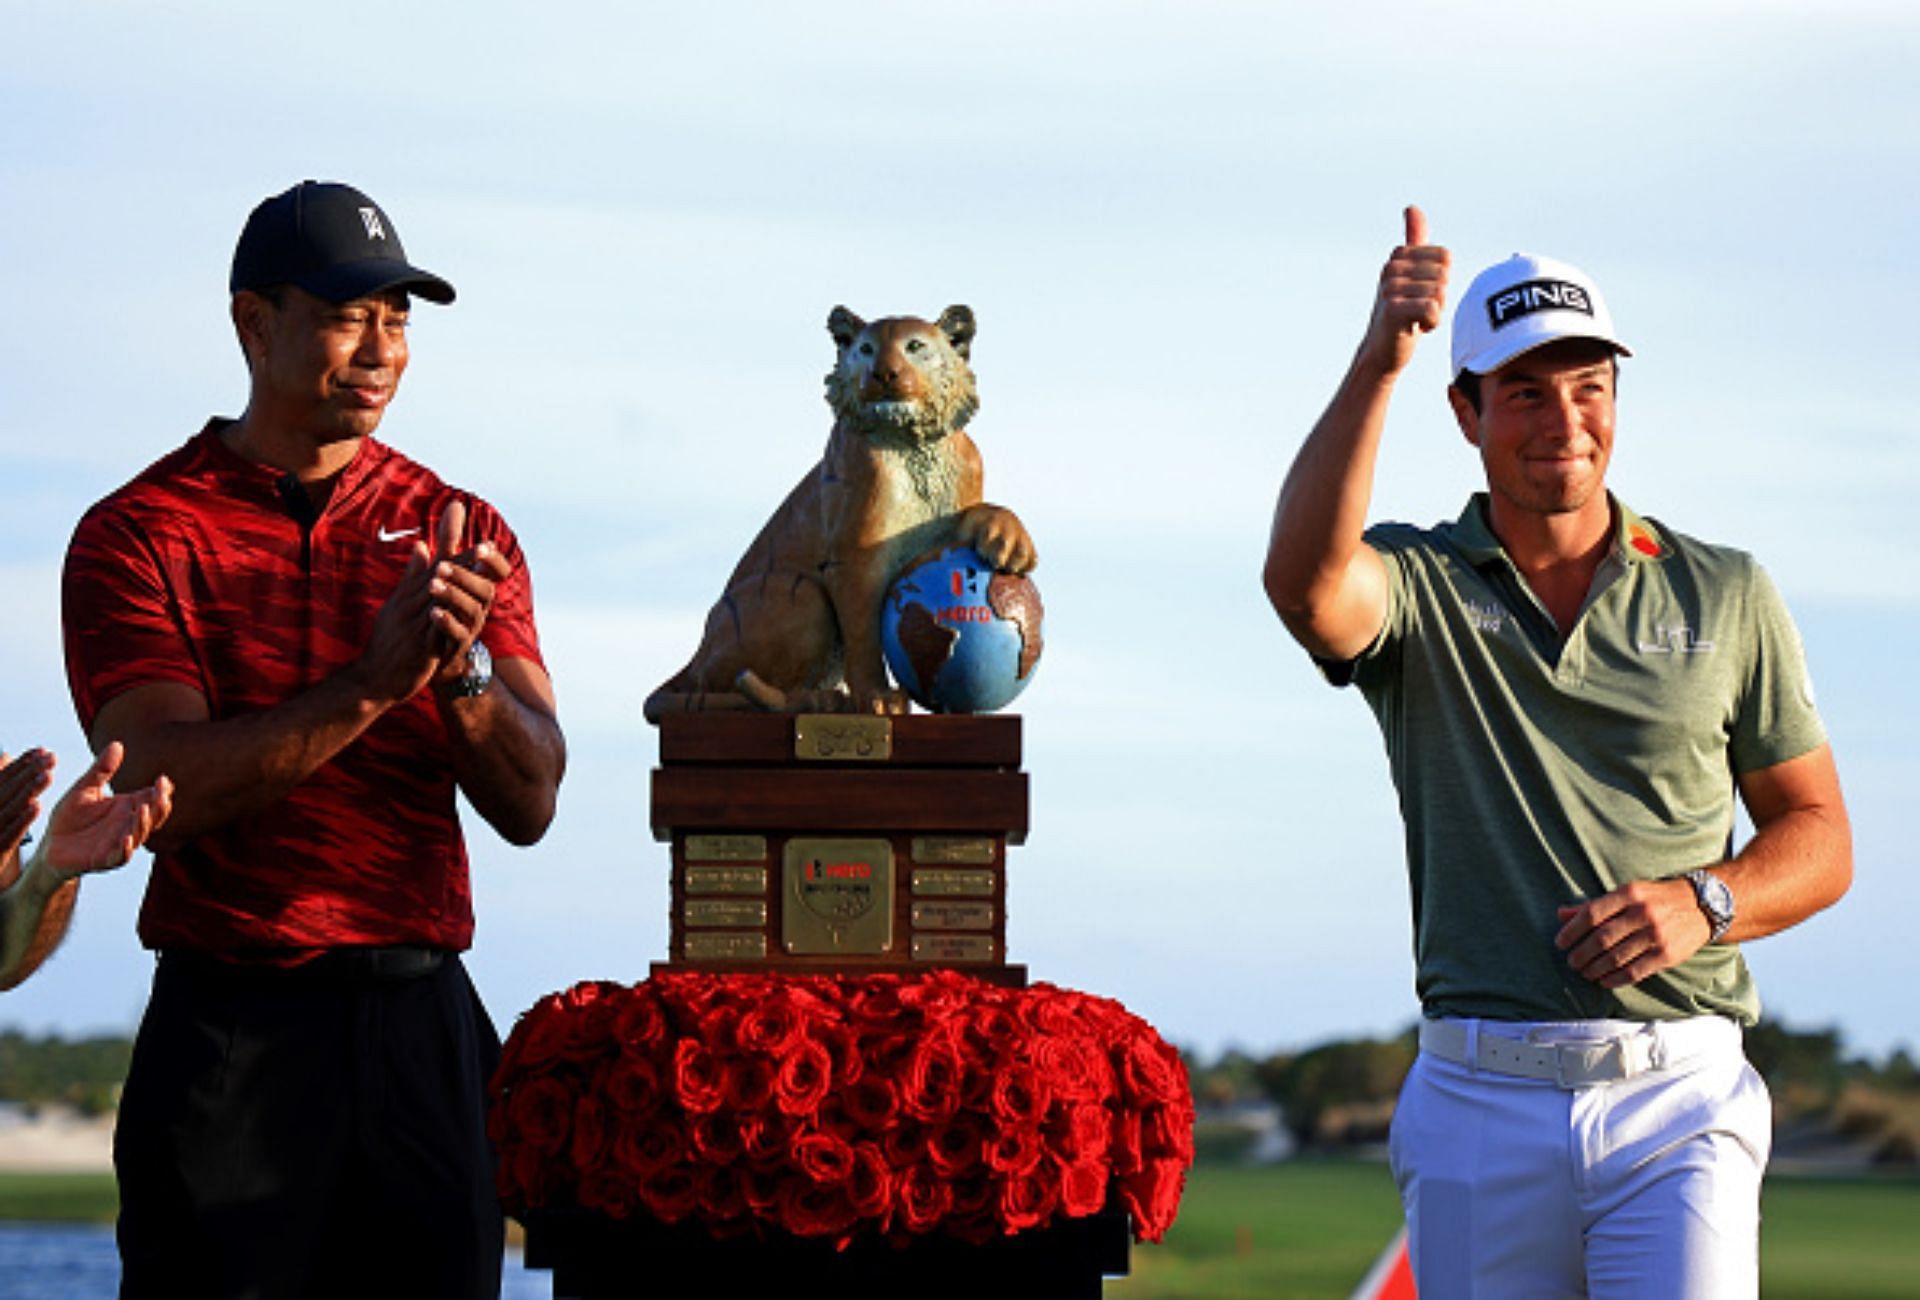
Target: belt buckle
1589, 1056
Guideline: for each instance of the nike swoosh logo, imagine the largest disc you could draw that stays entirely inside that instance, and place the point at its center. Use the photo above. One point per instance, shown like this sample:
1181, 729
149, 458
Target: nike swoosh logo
387, 535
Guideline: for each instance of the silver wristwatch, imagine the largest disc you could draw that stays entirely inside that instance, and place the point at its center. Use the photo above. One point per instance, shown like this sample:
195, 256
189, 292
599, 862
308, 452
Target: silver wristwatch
1715, 900
479, 673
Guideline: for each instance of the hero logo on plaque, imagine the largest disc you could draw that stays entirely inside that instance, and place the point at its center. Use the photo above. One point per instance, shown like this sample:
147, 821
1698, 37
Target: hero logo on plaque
839, 896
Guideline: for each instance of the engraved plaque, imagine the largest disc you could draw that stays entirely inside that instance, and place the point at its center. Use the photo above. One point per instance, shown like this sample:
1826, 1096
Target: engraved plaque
733, 912
950, 882
726, 880
818, 737
953, 916
838, 896
726, 945
970, 849
953, 947
726, 848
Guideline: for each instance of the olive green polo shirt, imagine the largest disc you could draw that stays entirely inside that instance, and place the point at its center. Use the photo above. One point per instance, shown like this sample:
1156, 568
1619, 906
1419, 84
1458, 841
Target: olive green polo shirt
1536, 771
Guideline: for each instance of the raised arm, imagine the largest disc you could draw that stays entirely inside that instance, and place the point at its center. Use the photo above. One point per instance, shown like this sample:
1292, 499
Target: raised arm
90, 830
1326, 584
508, 752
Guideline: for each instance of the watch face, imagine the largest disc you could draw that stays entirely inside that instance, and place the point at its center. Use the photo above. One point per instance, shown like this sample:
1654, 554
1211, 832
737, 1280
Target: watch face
1719, 897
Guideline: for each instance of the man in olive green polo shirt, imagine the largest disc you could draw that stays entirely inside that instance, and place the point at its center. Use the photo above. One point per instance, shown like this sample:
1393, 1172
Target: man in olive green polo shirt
1571, 696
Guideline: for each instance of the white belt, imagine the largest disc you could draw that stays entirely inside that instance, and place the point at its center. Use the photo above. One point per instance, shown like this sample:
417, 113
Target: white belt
1578, 1060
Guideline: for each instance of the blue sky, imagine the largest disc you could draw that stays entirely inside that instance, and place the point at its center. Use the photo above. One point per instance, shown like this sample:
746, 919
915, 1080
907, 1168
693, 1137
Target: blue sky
1168, 219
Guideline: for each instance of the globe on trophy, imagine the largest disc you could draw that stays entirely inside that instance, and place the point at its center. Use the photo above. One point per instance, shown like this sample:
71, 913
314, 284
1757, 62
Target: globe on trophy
960, 636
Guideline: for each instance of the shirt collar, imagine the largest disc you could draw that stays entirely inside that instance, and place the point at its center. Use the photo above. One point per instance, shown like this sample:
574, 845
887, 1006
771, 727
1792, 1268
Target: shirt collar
1635, 541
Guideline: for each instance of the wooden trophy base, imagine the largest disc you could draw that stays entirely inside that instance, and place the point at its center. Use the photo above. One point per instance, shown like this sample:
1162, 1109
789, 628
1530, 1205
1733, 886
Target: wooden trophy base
836, 844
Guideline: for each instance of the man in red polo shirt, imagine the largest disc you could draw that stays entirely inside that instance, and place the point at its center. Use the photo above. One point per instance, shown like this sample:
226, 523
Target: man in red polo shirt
319, 642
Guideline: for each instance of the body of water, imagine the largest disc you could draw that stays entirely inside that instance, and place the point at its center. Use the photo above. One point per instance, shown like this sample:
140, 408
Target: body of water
74, 1261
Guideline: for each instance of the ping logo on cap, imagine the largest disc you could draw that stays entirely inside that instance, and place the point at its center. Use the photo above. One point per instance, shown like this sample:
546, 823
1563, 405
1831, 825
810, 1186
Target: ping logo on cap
370, 217
1531, 296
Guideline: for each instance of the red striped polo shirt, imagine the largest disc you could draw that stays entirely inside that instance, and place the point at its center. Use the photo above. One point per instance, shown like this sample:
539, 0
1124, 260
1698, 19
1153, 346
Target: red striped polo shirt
206, 570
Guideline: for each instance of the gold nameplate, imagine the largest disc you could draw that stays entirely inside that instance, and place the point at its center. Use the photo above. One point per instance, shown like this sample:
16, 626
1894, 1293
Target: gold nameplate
726, 848
726, 880
953, 848
840, 737
733, 912
948, 882
953, 947
953, 916
838, 896
722, 945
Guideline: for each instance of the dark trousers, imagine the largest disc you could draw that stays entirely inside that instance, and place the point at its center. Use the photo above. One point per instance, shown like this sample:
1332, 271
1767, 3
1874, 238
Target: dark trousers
292, 1134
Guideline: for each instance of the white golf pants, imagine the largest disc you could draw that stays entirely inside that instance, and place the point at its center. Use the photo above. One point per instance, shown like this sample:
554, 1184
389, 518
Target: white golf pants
1644, 1187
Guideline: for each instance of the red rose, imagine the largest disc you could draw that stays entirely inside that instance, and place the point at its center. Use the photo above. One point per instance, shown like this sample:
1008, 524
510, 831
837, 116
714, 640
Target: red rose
1020, 1096
922, 1197
1027, 1201
803, 1079
930, 1090
1082, 1131
1151, 1071
1075, 1067
1167, 1131
608, 1191
716, 1137
975, 1216
540, 1033
633, 1086
764, 1138
1015, 1152
956, 1147
536, 1176
843, 1049
540, 1113
904, 1143
670, 1194
1083, 1187
640, 1025
1125, 1148
717, 1026
643, 1149
810, 1209
993, 1030
749, 1084
699, 1077
872, 1103
770, 1026
590, 1138
871, 1186
761, 1188
722, 1192
1152, 1197
824, 1158
874, 1001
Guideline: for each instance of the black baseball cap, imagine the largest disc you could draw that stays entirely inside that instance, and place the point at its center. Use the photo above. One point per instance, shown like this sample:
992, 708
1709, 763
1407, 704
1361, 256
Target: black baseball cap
331, 240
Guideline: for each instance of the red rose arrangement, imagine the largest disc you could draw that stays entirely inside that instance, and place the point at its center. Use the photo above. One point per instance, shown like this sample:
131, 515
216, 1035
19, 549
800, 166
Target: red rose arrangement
837, 1106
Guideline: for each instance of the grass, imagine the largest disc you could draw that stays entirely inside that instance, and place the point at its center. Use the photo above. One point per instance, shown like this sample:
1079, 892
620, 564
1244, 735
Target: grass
59, 1198
1311, 1228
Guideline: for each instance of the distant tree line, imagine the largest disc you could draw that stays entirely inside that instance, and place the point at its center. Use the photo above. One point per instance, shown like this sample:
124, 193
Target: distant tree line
1340, 1094
84, 1074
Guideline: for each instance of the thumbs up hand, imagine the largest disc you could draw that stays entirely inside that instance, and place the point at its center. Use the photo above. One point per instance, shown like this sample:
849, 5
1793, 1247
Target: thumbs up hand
1411, 299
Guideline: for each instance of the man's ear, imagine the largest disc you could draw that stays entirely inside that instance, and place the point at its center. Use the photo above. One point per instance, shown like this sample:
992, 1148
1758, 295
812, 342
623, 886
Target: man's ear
252, 317
1464, 415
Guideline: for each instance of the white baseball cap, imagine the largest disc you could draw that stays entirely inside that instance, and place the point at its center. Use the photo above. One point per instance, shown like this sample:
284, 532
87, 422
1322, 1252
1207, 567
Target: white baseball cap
1523, 303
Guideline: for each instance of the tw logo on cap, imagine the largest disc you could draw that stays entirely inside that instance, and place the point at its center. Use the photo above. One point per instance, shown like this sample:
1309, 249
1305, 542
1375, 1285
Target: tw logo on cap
370, 218
1531, 296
